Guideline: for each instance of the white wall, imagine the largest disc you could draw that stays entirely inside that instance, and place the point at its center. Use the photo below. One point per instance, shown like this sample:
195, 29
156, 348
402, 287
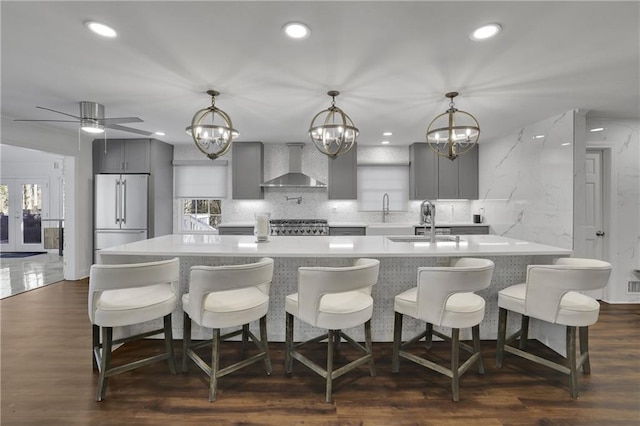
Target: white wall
620, 138
526, 183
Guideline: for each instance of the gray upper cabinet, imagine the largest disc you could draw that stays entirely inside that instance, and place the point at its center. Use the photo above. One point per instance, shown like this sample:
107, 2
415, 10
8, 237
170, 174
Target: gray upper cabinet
248, 170
121, 156
343, 176
423, 172
432, 176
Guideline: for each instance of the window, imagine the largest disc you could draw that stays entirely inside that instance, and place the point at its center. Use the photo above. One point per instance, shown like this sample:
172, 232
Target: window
198, 215
376, 180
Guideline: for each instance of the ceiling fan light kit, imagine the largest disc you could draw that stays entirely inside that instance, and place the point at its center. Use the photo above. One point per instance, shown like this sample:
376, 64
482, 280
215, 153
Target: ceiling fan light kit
332, 131
453, 132
212, 130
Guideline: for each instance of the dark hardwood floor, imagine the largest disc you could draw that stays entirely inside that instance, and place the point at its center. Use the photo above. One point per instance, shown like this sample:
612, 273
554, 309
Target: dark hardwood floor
47, 379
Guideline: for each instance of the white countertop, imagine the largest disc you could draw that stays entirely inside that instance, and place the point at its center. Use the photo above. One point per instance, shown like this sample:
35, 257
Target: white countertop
330, 246
360, 224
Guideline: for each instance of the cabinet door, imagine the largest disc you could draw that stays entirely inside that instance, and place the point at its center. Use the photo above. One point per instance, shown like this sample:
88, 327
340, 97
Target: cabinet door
448, 177
468, 174
108, 155
136, 156
423, 172
343, 176
248, 171
348, 231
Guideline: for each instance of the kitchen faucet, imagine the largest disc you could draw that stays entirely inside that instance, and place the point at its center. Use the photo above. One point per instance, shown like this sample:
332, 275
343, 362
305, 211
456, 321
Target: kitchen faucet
428, 216
385, 207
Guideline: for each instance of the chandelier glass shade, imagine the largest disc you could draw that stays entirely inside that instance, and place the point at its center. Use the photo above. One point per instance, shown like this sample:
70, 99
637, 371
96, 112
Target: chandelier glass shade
453, 132
332, 130
212, 129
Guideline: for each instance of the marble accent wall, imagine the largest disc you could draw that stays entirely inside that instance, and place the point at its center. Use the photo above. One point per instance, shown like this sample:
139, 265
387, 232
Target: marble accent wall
621, 139
526, 182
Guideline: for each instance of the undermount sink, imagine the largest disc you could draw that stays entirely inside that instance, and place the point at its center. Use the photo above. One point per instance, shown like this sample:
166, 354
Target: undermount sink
423, 238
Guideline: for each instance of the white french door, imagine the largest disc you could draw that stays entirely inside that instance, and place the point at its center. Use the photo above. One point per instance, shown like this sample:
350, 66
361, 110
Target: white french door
23, 203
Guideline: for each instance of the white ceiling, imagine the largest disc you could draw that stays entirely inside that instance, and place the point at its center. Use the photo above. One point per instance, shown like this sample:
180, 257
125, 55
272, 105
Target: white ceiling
392, 61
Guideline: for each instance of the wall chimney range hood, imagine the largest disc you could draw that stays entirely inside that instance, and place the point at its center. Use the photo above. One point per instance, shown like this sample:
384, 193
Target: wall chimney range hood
294, 178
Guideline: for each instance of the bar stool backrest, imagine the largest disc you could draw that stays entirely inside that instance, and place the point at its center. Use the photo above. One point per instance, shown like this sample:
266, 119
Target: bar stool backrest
437, 284
209, 279
547, 284
315, 282
131, 275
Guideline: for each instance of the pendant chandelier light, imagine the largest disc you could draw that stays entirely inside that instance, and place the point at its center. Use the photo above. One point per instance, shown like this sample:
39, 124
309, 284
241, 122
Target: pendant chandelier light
212, 130
332, 131
453, 132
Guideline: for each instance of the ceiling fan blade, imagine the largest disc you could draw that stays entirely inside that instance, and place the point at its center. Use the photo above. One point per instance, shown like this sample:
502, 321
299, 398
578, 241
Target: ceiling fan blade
128, 129
52, 121
119, 120
59, 112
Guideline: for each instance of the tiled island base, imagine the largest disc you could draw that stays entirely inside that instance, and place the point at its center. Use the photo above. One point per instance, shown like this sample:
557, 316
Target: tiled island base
396, 275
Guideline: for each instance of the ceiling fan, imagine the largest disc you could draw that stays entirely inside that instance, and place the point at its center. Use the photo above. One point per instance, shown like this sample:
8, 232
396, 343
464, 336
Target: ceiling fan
92, 119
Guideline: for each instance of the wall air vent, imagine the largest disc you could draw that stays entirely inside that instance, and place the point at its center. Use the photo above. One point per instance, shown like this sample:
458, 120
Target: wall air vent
633, 287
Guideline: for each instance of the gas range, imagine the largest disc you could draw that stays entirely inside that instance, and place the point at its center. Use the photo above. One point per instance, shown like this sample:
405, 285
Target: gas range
288, 227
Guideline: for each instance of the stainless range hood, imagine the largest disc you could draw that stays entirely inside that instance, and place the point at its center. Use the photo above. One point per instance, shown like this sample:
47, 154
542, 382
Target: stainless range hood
294, 178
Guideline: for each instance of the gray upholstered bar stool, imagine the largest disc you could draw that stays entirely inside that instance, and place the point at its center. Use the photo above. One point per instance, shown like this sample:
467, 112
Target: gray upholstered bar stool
444, 297
548, 295
223, 297
124, 295
333, 298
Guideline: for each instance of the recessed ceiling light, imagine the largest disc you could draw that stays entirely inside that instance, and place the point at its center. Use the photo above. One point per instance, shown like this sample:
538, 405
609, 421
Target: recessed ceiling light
538, 136
385, 142
566, 144
485, 32
101, 29
387, 134
160, 133
296, 30
597, 129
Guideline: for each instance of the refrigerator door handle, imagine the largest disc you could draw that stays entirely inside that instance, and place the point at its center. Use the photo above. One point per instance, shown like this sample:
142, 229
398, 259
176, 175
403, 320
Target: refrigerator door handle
117, 202
124, 201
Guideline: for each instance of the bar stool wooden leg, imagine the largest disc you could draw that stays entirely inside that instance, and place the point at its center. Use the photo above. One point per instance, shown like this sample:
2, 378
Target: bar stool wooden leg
502, 331
524, 330
245, 338
475, 331
186, 342
571, 361
369, 346
105, 361
288, 359
397, 341
455, 360
215, 364
428, 338
330, 339
168, 343
584, 349
96, 345
265, 344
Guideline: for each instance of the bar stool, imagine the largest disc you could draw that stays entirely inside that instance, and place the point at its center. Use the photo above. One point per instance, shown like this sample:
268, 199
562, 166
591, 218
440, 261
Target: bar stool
444, 297
221, 297
332, 298
547, 295
123, 295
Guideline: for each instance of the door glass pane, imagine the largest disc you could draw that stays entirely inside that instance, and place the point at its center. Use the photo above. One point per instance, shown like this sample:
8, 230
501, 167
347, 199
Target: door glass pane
31, 213
4, 214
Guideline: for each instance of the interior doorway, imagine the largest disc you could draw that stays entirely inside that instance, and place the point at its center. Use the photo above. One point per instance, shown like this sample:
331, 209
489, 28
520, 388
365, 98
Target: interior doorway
595, 212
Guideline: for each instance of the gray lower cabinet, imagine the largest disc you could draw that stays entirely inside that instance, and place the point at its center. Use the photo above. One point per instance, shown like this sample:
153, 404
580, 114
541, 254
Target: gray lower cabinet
352, 230
454, 230
343, 176
247, 170
235, 230
122, 155
433, 176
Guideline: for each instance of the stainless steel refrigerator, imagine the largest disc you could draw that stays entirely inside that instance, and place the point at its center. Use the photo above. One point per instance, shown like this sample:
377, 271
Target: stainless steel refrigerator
121, 209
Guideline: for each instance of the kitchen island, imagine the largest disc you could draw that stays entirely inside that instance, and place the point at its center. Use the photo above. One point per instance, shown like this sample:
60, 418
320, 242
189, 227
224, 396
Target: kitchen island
399, 261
